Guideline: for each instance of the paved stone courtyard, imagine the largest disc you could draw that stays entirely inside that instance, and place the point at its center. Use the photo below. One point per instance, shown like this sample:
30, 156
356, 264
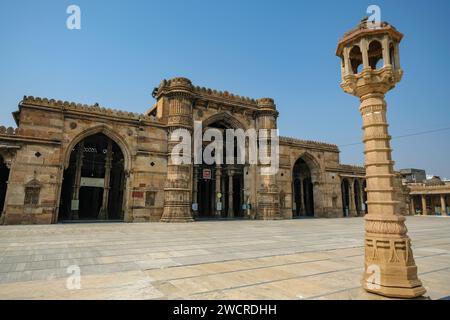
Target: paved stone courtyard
291, 259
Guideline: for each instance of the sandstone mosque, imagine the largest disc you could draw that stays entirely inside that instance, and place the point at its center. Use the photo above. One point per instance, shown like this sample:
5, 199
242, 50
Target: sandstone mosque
71, 162
67, 161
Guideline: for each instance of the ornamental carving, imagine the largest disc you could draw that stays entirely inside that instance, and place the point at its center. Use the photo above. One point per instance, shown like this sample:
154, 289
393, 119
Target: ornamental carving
386, 227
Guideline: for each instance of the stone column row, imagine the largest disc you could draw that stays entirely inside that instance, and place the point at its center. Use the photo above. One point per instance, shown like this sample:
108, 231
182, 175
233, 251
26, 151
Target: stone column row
425, 210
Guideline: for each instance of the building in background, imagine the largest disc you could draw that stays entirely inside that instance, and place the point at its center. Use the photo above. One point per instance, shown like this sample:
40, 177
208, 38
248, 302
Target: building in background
413, 175
67, 161
429, 197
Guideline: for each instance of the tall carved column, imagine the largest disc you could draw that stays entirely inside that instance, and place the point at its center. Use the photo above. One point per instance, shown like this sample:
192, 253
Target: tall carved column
77, 180
302, 197
218, 189
443, 205
412, 206
268, 194
424, 205
361, 196
230, 195
108, 164
390, 269
195, 188
353, 210
177, 191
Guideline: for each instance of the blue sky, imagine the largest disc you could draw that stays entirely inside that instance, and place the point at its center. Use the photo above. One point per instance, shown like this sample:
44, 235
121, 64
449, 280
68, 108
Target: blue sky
279, 49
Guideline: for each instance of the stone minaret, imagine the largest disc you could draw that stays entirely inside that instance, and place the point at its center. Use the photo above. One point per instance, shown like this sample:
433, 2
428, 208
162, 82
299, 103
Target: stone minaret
370, 67
268, 192
177, 191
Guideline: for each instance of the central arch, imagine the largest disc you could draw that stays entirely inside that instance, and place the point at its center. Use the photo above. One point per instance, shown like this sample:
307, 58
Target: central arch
94, 183
219, 189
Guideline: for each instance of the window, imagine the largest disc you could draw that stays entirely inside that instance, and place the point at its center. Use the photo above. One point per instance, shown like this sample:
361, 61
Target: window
32, 196
32, 192
376, 55
356, 60
150, 198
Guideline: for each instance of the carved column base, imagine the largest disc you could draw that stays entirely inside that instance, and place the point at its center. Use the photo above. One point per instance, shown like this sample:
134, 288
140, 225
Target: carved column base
74, 215
103, 215
268, 208
180, 214
269, 214
390, 269
353, 213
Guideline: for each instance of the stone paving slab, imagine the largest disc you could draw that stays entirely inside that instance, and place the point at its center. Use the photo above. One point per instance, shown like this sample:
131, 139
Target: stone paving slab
291, 259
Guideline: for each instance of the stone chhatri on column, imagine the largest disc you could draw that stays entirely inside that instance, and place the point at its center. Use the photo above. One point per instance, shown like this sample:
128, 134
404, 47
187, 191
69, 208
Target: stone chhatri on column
390, 269
177, 190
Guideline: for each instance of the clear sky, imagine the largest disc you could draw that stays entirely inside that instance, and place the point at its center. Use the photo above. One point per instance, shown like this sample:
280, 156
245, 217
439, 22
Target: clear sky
279, 49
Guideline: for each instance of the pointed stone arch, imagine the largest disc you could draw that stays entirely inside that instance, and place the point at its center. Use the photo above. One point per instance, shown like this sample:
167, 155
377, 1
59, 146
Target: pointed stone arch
306, 185
313, 164
225, 117
121, 142
124, 147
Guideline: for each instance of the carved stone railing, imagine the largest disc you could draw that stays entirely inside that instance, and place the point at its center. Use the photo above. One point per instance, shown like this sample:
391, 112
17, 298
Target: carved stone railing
206, 92
95, 109
9, 131
309, 142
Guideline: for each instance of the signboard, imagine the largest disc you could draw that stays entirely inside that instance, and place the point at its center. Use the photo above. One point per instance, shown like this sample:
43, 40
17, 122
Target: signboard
219, 195
92, 182
206, 174
75, 205
244, 207
195, 207
219, 206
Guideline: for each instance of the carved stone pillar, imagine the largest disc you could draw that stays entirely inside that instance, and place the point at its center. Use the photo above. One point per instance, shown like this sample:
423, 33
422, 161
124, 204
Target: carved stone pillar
103, 215
361, 196
77, 180
230, 195
218, 189
195, 188
302, 197
412, 206
268, 193
388, 248
443, 205
390, 269
353, 211
177, 190
424, 205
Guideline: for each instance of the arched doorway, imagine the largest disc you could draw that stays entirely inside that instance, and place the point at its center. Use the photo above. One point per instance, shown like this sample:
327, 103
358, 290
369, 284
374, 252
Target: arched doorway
4, 176
345, 187
219, 188
94, 182
303, 190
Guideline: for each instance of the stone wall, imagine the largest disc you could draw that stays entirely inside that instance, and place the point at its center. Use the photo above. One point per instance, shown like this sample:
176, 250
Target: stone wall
38, 152
47, 133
